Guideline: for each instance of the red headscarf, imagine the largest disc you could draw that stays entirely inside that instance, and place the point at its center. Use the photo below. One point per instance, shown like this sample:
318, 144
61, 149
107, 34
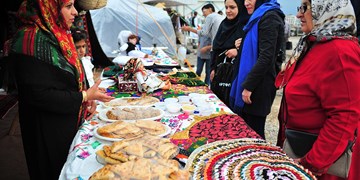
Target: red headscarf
46, 36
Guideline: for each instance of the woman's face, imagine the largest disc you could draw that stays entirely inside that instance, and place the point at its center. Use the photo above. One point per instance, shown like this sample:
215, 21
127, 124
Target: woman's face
69, 12
231, 9
305, 17
250, 6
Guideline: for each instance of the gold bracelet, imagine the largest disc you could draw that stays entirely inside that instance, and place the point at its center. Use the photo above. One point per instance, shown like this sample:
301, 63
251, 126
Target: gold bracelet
84, 94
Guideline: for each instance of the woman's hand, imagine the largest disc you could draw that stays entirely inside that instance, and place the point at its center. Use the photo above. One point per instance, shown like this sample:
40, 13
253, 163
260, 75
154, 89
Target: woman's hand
212, 74
246, 96
231, 53
90, 109
96, 93
237, 43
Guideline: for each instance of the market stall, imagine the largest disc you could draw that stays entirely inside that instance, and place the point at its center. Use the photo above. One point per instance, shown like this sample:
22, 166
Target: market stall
196, 136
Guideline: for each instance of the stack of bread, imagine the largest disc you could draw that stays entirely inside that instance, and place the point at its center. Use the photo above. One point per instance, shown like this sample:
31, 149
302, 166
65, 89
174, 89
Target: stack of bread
134, 113
125, 130
147, 157
133, 101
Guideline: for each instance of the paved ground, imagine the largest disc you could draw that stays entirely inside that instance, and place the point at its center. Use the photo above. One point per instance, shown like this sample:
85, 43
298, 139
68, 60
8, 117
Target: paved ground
271, 127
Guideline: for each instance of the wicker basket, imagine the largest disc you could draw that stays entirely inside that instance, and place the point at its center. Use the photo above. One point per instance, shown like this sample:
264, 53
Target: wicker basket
91, 4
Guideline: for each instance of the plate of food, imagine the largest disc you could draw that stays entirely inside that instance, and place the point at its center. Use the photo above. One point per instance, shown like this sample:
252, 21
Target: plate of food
145, 101
123, 130
154, 128
130, 114
102, 137
117, 131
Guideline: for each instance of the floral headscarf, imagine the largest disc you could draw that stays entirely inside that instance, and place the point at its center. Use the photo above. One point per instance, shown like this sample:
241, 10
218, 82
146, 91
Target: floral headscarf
332, 19
46, 36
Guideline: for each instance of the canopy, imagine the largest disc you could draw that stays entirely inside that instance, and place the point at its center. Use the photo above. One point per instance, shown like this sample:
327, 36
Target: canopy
152, 24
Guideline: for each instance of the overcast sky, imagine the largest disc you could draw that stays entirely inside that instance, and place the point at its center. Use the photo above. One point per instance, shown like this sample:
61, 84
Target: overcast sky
289, 6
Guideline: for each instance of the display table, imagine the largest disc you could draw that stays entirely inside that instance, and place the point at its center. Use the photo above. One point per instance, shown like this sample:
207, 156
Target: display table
201, 128
81, 162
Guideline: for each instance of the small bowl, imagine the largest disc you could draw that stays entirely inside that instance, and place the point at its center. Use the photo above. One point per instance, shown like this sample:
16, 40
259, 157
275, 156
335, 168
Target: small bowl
198, 100
188, 108
184, 99
173, 107
171, 100
203, 104
194, 95
205, 111
160, 105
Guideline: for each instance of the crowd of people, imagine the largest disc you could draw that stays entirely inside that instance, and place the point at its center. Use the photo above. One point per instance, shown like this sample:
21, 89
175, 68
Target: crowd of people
52, 71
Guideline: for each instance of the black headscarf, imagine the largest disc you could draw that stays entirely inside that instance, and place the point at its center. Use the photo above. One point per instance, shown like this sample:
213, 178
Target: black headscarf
231, 30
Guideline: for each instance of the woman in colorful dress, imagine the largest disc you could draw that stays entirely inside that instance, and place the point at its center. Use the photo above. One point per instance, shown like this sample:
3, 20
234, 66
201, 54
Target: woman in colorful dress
53, 98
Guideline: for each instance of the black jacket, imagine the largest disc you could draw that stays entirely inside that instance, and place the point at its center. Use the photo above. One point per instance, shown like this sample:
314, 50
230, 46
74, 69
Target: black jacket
260, 81
49, 105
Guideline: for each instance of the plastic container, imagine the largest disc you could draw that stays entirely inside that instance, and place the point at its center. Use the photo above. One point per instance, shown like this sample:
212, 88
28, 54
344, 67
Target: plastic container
171, 100
188, 109
173, 107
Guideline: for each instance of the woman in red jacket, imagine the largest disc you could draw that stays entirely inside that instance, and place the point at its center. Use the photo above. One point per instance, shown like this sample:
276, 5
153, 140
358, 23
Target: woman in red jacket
322, 84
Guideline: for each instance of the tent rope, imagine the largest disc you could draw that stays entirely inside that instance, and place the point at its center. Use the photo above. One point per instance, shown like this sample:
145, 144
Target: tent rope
161, 29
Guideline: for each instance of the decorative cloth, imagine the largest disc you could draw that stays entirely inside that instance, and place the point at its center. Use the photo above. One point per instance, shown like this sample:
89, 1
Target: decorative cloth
132, 67
244, 158
188, 78
216, 127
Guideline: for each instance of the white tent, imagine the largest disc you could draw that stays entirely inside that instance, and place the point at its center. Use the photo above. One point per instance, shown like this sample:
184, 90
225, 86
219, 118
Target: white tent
152, 24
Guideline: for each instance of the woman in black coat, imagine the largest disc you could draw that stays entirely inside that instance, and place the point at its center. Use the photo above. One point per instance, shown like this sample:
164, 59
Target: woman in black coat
253, 90
230, 29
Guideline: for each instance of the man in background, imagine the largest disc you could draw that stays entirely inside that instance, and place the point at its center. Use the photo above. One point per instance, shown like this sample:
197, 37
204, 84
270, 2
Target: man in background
212, 22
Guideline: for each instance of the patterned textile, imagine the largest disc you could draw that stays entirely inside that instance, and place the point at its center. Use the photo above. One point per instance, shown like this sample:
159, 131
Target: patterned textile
131, 67
216, 127
244, 159
175, 91
188, 78
47, 37
113, 71
80, 22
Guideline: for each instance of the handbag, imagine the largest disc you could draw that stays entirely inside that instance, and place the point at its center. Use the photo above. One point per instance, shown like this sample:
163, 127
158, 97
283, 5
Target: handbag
298, 143
222, 81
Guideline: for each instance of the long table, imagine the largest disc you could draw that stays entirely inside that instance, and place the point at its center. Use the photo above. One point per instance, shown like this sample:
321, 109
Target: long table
221, 124
82, 162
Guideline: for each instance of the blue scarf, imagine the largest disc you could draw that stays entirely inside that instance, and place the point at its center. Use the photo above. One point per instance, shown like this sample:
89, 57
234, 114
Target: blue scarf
249, 53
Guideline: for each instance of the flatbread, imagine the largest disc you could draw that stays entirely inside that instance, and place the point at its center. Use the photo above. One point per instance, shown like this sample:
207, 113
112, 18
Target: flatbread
103, 173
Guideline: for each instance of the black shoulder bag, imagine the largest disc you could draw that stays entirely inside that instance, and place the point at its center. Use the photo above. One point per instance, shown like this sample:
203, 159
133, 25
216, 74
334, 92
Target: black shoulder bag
222, 81
298, 143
